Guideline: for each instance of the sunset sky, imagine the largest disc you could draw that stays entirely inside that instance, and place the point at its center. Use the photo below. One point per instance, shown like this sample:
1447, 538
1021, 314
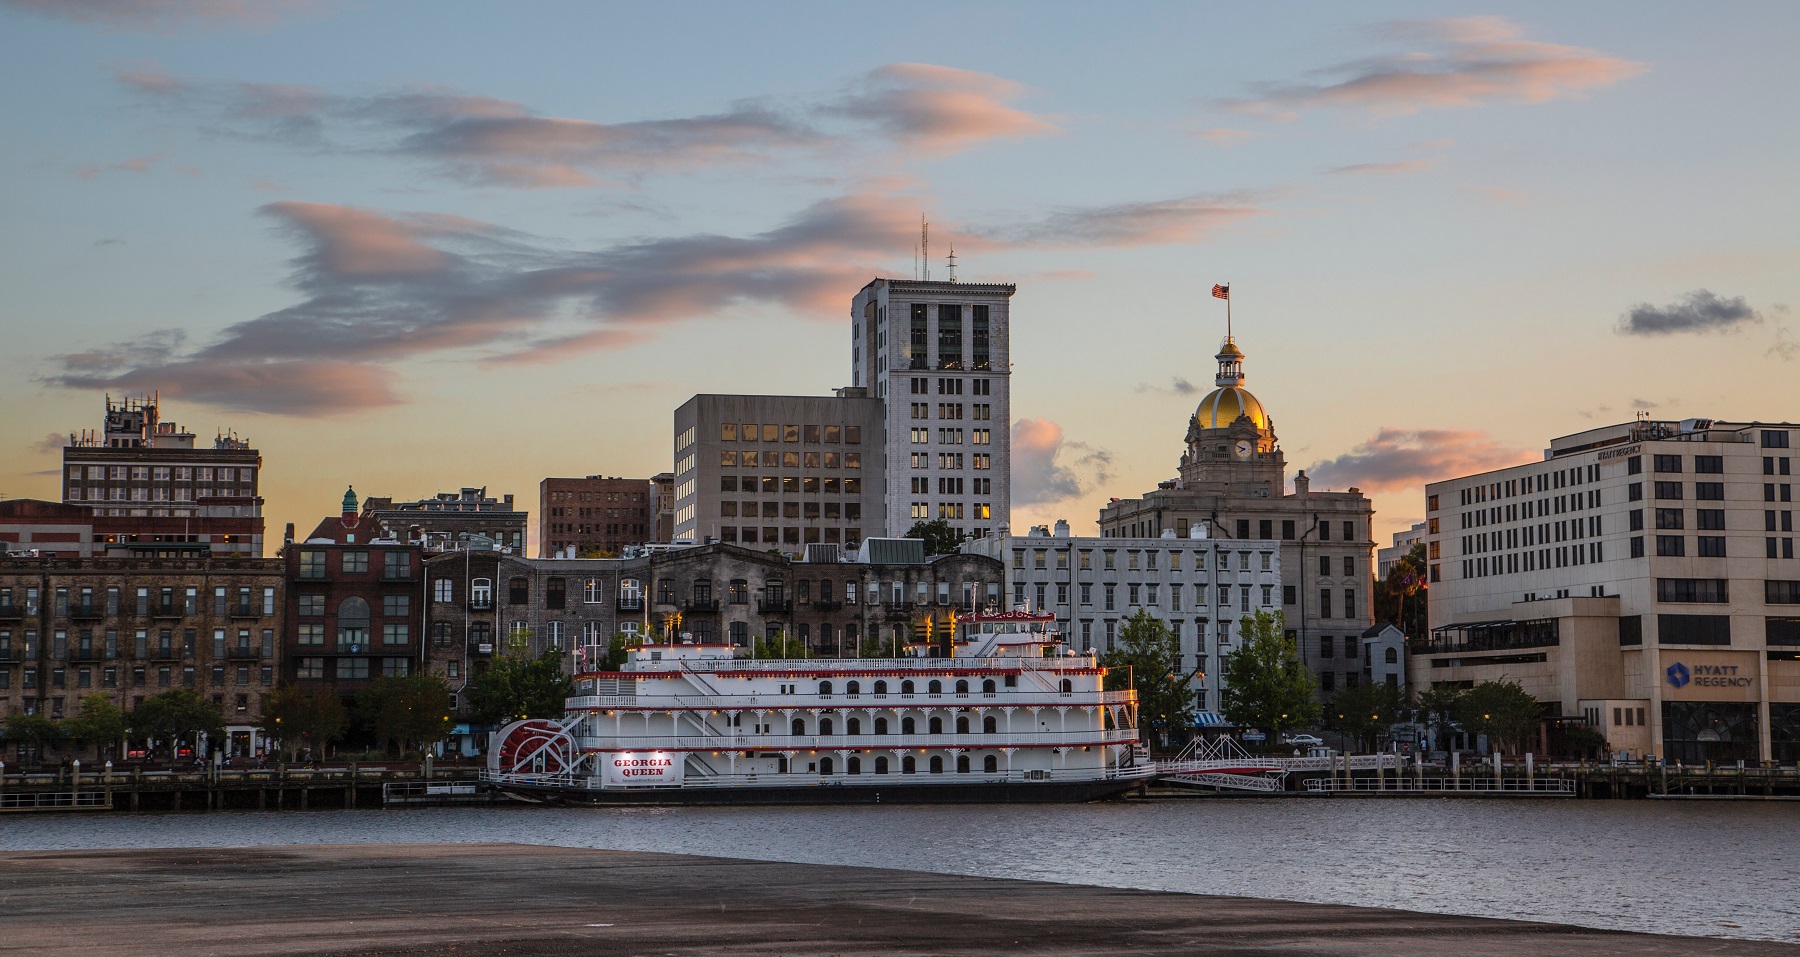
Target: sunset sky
416, 246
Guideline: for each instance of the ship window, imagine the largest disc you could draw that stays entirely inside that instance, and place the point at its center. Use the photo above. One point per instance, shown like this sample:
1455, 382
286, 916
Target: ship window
853, 687
937, 762
881, 765
962, 687
936, 687
824, 766
881, 726
987, 686
908, 765
881, 687
990, 764
853, 765
1068, 687
962, 725
824, 687
824, 725
906, 687
962, 764
799, 726
852, 726
936, 726
989, 725
908, 727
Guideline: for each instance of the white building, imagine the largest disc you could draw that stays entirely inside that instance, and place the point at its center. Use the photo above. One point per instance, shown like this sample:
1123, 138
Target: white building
1201, 587
1641, 579
1403, 543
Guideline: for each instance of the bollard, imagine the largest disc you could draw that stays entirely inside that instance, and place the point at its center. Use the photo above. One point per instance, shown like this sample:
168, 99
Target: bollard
1530, 773
1499, 783
75, 777
108, 780
1456, 770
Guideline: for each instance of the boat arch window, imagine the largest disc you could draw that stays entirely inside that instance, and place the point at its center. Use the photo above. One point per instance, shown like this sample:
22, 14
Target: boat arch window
881, 726
990, 764
881, 765
853, 765
962, 686
853, 726
824, 767
935, 687
908, 765
989, 725
1068, 687
881, 687
936, 726
937, 764
907, 726
853, 687
824, 725
824, 687
799, 726
962, 724
987, 686
906, 687
962, 764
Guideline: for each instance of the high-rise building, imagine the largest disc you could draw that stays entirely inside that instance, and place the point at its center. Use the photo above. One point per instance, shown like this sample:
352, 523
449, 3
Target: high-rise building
152, 489
593, 517
936, 355
662, 505
1641, 580
1403, 543
451, 519
1232, 481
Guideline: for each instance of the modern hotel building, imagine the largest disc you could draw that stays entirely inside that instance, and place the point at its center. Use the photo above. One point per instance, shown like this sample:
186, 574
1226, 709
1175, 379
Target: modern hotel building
1641, 580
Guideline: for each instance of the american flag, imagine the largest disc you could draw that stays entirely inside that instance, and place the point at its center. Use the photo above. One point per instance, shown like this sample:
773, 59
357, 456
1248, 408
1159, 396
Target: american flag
1221, 292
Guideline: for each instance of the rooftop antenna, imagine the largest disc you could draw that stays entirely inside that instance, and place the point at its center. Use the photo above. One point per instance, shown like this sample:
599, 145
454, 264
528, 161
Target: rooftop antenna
952, 263
925, 245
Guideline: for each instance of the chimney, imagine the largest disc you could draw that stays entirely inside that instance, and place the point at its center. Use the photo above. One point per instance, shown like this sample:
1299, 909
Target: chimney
1062, 528
288, 537
1302, 484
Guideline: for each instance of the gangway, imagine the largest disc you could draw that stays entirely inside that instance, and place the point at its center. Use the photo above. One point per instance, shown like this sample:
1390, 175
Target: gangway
1224, 764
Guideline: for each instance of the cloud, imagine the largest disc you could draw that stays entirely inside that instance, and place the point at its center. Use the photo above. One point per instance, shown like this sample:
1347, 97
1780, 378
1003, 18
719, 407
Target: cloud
162, 14
1407, 458
1177, 386
1384, 169
1698, 311
1038, 478
137, 164
1188, 219
1460, 62
913, 107
53, 442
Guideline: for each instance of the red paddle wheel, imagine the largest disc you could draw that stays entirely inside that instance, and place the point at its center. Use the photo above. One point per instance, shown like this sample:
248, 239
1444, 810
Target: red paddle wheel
536, 746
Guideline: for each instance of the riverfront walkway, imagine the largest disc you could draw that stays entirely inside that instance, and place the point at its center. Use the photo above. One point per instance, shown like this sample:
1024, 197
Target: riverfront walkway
526, 901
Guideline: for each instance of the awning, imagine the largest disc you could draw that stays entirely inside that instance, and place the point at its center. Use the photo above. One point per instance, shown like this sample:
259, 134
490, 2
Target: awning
1208, 719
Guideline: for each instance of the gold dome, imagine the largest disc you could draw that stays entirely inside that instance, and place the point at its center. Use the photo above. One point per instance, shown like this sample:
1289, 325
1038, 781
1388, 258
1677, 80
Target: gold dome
1221, 407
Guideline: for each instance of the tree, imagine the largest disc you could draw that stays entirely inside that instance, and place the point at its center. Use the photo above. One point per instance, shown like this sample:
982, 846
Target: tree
1147, 660
617, 650
1364, 711
409, 711
1266, 685
779, 645
1502, 711
1439, 705
1400, 597
100, 724
175, 716
315, 717
33, 732
518, 686
940, 538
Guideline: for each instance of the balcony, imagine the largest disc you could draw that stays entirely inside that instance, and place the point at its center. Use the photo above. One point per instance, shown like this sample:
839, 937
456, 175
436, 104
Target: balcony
700, 605
631, 602
774, 605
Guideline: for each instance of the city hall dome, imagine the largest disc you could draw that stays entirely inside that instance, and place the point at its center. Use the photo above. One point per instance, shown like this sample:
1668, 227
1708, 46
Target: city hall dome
1221, 407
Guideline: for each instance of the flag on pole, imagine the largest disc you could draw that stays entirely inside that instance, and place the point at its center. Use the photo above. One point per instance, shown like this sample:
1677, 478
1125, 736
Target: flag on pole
1222, 292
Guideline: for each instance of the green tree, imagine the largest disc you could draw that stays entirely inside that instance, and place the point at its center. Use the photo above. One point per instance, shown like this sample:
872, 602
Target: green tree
617, 651
1267, 686
290, 713
1502, 711
1365, 711
940, 538
1147, 659
33, 732
1400, 597
779, 645
408, 712
176, 716
1439, 705
516, 686
100, 724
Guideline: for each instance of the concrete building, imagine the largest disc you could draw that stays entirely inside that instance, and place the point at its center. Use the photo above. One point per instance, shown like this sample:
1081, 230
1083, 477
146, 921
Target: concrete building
937, 356
452, 519
662, 505
1200, 587
593, 515
777, 473
354, 604
129, 628
1384, 655
1231, 482
1641, 580
50, 529
152, 489
1403, 543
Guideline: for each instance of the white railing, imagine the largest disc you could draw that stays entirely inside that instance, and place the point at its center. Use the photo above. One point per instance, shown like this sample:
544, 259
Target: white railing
948, 666
800, 779
629, 741
812, 702
1473, 784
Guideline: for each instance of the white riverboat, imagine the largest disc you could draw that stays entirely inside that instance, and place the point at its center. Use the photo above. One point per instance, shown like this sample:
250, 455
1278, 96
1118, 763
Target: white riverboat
1004, 712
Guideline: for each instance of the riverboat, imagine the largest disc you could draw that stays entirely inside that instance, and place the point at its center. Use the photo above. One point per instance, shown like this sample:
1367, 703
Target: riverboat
999, 710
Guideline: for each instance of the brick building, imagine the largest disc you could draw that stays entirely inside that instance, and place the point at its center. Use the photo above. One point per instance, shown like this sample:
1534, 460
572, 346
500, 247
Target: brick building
450, 520
596, 516
47, 528
130, 628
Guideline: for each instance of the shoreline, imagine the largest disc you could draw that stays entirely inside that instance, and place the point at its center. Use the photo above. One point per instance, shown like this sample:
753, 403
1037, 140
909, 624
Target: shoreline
540, 900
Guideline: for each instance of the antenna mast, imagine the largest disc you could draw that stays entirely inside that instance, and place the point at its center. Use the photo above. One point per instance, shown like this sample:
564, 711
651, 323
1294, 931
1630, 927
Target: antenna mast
952, 263
925, 245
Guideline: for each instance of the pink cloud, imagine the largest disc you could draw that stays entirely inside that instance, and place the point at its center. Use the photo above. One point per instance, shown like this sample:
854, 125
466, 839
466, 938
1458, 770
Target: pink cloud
1408, 458
137, 164
941, 108
1384, 169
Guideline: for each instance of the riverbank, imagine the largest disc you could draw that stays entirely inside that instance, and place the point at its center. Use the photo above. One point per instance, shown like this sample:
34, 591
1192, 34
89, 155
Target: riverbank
528, 900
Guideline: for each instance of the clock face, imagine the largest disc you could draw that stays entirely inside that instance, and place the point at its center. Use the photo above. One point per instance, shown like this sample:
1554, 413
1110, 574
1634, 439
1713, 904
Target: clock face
1243, 448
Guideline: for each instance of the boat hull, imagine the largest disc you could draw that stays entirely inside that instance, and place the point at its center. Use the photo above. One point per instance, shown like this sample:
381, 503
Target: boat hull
1012, 792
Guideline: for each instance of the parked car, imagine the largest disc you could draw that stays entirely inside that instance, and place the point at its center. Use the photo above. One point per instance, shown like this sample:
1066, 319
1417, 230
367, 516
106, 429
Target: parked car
1302, 740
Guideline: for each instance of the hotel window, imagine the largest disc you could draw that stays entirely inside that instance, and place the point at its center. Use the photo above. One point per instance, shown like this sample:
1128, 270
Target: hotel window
1774, 439
1670, 546
1712, 546
1669, 518
1709, 464
1667, 463
1668, 490
1709, 491
1634, 492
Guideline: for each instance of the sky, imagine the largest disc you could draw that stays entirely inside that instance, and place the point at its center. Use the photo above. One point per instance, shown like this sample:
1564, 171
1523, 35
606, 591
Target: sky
415, 246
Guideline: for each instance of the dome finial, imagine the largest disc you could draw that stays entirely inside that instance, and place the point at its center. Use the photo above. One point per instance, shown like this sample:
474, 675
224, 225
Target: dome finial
349, 500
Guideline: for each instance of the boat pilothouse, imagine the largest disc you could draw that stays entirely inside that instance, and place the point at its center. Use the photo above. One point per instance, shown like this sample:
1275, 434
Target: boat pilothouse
997, 710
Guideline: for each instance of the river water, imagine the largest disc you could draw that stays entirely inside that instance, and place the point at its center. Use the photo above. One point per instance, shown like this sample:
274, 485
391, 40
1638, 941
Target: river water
1693, 868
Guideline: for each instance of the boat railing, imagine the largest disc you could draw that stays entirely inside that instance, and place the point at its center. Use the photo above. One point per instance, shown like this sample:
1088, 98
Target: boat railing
839, 778
1025, 698
1081, 662
1071, 738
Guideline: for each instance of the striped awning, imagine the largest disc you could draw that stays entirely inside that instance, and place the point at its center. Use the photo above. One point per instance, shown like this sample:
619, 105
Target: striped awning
1208, 719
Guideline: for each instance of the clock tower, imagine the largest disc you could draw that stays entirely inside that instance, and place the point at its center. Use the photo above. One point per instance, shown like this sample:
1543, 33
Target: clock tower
1231, 443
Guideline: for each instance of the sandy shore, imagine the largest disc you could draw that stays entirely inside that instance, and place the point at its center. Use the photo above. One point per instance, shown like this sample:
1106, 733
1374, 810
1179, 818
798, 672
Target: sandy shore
518, 900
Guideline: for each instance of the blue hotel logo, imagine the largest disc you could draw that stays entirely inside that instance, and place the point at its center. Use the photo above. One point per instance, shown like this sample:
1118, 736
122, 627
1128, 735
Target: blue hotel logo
1678, 674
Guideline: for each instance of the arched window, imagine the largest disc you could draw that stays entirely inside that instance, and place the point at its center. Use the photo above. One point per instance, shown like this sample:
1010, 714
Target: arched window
908, 765
824, 725
881, 765
907, 726
1393, 656
937, 764
824, 687
881, 726
353, 622
799, 726
962, 687
853, 765
990, 764
853, 687
853, 726
937, 726
481, 593
906, 687
824, 766
881, 687
987, 686
962, 764
1068, 687
989, 725
935, 687
962, 724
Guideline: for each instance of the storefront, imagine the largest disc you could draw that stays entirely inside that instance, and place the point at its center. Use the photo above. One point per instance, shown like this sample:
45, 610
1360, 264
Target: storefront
1710, 707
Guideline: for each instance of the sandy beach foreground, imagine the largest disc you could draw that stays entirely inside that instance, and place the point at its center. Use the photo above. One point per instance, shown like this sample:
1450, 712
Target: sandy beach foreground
526, 900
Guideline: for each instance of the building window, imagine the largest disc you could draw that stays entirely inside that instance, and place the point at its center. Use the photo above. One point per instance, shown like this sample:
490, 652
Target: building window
1693, 629
518, 591
312, 564
355, 563
481, 593
1670, 546
1692, 590
1667, 463
443, 590
1668, 490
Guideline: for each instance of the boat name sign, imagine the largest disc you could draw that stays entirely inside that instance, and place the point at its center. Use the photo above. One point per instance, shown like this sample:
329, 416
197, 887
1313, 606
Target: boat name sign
643, 767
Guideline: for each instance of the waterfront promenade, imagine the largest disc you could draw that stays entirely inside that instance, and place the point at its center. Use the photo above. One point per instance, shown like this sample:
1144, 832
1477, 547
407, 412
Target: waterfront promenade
527, 900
